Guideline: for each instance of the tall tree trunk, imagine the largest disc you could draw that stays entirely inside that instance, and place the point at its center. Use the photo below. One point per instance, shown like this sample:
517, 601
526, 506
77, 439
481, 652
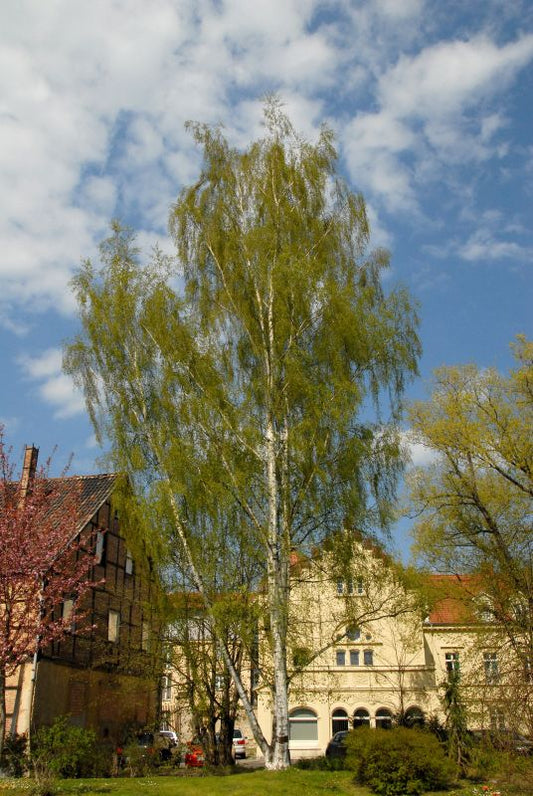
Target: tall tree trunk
277, 558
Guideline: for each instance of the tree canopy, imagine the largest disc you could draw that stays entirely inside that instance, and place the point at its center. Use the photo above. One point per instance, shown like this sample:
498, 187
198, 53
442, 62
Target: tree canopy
476, 500
240, 379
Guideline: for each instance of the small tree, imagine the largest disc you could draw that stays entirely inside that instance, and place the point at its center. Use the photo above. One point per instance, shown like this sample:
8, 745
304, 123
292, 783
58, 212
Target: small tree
42, 564
475, 503
456, 720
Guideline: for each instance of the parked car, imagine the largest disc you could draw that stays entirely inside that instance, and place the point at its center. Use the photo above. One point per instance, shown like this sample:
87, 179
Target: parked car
171, 735
239, 744
337, 746
194, 756
156, 743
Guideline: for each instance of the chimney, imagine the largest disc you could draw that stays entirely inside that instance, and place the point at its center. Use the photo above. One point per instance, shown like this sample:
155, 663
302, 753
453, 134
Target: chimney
31, 455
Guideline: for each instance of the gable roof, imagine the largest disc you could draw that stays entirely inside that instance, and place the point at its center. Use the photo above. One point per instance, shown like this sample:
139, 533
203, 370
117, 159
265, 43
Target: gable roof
86, 492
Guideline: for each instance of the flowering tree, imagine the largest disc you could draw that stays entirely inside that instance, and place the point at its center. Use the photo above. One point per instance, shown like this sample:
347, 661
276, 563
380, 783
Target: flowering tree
44, 565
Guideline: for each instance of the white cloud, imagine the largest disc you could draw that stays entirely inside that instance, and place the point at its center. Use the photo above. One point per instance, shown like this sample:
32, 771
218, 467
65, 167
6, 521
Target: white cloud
445, 77
422, 115
95, 95
420, 455
484, 245
54, 387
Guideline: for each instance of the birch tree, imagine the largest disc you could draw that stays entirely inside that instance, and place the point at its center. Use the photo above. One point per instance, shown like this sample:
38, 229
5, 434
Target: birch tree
246, 373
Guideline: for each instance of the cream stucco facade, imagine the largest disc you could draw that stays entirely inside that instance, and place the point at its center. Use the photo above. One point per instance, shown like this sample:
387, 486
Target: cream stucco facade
369, 644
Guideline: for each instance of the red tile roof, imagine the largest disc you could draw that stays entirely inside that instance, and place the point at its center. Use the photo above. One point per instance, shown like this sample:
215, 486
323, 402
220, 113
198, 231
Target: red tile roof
453, 599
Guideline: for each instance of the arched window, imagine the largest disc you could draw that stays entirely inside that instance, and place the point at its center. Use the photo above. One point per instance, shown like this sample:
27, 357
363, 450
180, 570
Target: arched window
339, 721
384, 719
361, 718
353, 633
414, 717
303, 725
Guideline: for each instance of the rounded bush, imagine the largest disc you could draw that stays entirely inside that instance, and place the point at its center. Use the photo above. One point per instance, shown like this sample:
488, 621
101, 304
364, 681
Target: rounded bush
398, 761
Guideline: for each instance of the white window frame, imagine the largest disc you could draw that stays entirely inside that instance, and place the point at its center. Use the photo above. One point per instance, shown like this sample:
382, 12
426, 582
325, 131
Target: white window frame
128, 564
491, 666
451, 662
340, 721
301, 716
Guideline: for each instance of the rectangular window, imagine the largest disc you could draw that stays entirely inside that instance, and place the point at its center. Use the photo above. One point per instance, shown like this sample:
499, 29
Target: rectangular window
340, 587
341, 658
490, 661
166, 689
368, 657
113, 626
129, 563
67, 609
145, 636
359, 586
349, 587
451, 660
67, 612
354, 657
99, 551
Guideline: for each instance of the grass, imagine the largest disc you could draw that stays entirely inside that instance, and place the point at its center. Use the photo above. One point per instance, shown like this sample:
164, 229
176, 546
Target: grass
516, 781
245, 783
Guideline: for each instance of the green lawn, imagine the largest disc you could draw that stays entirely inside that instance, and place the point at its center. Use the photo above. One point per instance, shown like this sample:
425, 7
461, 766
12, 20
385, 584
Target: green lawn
294, 782
246, 783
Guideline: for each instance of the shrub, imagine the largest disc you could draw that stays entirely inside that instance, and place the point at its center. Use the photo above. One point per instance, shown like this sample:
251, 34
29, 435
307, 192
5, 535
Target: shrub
320, 763
64, 750
14, 761
138, 761
398, 761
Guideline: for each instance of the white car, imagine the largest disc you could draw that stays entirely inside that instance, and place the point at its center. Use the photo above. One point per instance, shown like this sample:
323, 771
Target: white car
171, 735
239, 744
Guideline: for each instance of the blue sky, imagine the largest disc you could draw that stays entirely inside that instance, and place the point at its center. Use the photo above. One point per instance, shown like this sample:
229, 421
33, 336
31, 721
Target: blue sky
431, 101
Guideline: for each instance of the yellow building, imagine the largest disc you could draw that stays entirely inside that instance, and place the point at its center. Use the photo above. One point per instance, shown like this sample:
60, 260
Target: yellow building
366, 651
372, 645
